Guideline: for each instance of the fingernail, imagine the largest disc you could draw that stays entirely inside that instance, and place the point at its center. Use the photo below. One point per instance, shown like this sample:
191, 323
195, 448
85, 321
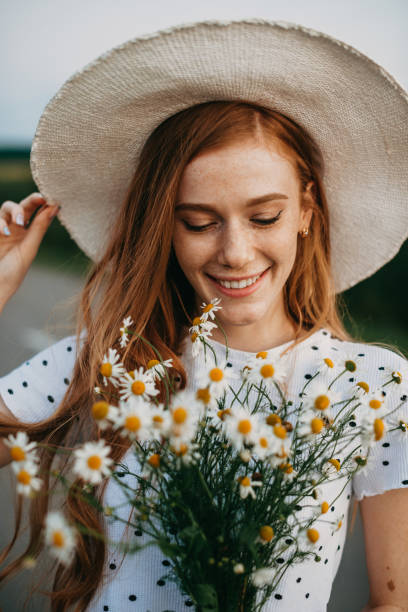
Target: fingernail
19, 219
6, 231
55, 211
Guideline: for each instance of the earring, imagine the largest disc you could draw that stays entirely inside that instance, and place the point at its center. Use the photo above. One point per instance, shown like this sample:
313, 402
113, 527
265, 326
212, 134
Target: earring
304, 232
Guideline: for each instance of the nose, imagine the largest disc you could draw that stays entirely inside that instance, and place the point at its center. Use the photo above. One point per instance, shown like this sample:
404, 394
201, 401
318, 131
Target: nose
235, 248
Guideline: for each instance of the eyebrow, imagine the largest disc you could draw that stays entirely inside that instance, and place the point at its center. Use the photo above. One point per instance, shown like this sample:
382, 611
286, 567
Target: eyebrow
252, 202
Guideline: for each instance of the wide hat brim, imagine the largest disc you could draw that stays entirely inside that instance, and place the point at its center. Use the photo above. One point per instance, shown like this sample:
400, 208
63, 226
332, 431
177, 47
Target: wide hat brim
90, 134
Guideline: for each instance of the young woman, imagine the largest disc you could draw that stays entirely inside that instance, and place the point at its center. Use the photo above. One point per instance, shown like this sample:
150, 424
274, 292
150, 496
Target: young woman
222, 192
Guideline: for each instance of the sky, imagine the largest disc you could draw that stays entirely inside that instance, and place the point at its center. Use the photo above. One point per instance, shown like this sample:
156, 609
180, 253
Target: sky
43, 42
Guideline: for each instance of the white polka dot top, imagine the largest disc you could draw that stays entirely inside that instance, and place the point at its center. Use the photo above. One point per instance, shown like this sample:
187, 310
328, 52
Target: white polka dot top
139, 582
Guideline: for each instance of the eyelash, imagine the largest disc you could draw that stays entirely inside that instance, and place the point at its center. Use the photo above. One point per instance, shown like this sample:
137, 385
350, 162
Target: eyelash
202, 228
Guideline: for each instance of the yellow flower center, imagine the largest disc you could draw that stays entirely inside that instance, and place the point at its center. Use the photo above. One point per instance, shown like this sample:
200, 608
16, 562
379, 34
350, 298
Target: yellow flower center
321, 402
262, 355
350, 365
279, 431
100, 410
24, 477
316, 425
138, 387
58, 539
336, 463
397, 377
157, 418
273, 419
17, 453
208, 308
363, 385
182, 450
378, 429
216, 374
203, 395
244, 426
197, 321
339, 524
132, 423
267, 371
245, 481
266, 532
223, 413
263, 442
286, 467
179, 415
106, 369
375, 403
194, 337
152, 363
154, 460
325, 507
94, 462
313, 535
329, 362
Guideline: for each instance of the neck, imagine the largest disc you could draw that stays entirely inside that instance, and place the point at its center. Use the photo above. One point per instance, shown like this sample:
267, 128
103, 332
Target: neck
250, 338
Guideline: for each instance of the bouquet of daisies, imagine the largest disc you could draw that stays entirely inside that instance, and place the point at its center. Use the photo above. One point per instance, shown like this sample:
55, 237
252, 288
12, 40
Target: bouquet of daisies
231, 470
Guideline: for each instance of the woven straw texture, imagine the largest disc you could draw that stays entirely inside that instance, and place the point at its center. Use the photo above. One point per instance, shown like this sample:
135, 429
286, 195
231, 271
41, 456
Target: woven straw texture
89, 136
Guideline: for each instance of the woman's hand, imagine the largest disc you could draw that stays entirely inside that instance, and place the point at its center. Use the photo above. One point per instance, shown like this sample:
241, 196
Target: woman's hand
18, 243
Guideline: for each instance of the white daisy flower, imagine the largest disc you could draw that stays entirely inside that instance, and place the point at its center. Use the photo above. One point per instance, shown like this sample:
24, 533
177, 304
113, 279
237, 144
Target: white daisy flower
398, 373
198, 339
124, 336
285, 451
289, 473
185, 412
111, 368
238, 568
138, 383
26, 474
265, 442
60, 537
265, 367
160, 421
310, 425
371, 430
216, 377
338, 524
241, 427
210, 308
202, 326
157, 368
266, 534
400, 420
308, 538
186, 453
20, 446
350, 360
331, 468
207, 399
318, 397
103, 413
373, 405
263, 576
134, 419
91, 461
246, 486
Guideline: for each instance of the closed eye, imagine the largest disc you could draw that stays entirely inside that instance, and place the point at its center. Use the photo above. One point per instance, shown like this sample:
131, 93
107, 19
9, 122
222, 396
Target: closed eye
201, 228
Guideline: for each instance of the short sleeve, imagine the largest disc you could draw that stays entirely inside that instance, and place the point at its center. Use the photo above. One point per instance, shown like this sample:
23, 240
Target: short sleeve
34, 390
387, 466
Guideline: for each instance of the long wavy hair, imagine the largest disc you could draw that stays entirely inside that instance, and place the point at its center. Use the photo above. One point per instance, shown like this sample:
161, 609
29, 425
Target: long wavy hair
139, 275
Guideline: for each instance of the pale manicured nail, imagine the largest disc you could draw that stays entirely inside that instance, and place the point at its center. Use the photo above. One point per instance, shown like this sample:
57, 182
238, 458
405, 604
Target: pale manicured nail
19, 219
6, 231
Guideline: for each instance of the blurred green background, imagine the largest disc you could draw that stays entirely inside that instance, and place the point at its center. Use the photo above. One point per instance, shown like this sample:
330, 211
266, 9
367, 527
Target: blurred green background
375, 310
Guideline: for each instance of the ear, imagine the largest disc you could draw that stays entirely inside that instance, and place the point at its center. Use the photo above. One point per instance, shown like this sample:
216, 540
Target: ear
306, 212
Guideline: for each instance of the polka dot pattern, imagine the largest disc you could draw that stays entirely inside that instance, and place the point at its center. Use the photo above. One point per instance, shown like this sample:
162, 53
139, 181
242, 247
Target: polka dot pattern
141, 582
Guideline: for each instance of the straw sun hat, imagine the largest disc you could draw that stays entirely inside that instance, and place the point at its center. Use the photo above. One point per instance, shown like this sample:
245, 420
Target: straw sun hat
89, 136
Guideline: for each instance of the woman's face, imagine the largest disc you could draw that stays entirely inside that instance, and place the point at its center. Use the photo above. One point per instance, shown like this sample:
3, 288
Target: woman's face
237, 216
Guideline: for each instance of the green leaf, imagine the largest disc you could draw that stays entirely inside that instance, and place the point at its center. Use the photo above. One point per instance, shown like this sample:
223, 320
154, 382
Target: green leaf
206, 595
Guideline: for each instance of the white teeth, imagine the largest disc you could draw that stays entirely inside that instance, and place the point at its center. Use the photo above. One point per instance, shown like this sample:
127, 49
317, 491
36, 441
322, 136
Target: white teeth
238, 284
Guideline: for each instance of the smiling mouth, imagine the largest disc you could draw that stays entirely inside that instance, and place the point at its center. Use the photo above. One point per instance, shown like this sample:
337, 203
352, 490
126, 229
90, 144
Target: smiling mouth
238, 284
